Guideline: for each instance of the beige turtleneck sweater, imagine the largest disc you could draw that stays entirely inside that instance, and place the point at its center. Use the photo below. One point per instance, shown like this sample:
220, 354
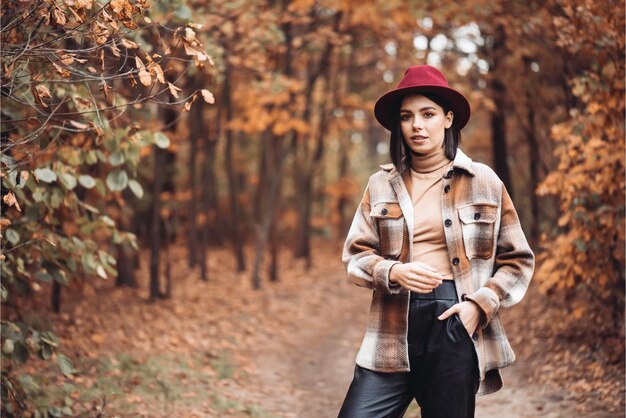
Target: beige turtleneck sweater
429, 242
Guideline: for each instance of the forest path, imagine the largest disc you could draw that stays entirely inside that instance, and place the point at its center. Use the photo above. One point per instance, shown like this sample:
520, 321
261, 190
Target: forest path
306, 369
222, 349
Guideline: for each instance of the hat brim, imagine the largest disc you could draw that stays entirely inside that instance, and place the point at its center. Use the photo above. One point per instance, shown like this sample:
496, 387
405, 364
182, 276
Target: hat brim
387, 104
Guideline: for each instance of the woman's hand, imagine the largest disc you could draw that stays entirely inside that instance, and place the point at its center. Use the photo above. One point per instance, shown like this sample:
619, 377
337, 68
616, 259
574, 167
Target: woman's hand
469, 313
417, 277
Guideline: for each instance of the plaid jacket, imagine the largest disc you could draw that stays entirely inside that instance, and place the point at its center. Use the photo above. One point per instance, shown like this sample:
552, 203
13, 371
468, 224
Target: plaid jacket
490, 258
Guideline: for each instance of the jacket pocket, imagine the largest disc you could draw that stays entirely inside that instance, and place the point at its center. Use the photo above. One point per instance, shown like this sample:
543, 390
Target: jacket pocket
478, 228
390, 222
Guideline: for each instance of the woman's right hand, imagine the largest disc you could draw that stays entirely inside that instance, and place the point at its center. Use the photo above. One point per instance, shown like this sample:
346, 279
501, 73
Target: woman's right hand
417, 277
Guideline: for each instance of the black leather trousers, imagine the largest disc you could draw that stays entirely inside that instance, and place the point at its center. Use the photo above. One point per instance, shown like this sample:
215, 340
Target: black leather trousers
444, 375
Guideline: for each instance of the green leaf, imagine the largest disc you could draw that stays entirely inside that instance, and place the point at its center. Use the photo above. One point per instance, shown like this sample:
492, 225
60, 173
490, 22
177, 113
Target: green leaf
90, 208
133, 153
101, 156
136, 188
60, 276
43, 275
56, 198
10, 330
46, 175
45, 352
8, 160
20, 353
13, 236
4, 294
92, 157
117, 180
68, 180
38, 195
89, 263
71, 264
101, 272
89, 227
116, 158
75, 159
65, 364
107, 221
78, 242
50, 338
161, 140
101, 188
86, 181
54, 411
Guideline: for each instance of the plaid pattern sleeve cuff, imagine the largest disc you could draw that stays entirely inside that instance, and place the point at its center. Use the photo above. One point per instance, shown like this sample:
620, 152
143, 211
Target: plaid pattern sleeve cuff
488, 301
381, 277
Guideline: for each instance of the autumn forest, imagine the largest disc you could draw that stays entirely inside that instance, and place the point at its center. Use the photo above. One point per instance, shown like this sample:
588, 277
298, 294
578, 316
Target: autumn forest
178, 178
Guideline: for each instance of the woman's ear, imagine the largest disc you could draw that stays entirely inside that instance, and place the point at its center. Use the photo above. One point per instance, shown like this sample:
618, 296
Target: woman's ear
449, 119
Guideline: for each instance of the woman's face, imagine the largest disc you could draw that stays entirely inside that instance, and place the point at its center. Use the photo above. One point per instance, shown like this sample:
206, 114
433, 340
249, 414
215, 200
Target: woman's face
422, 122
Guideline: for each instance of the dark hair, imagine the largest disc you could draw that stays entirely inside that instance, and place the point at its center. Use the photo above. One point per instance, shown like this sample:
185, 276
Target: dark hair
400, 151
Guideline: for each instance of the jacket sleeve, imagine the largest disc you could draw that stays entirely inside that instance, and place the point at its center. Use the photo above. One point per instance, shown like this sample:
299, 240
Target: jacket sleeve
365, 266
513, 266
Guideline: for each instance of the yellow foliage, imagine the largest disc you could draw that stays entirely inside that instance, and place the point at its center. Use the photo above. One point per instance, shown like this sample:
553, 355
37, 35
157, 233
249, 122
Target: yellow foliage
590, 180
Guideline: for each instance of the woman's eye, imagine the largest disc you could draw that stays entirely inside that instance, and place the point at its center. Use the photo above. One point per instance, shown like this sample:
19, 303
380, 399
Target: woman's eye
405, 117
428, 115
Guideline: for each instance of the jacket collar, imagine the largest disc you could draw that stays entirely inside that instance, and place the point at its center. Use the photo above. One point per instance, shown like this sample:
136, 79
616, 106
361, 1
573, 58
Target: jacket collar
461, 160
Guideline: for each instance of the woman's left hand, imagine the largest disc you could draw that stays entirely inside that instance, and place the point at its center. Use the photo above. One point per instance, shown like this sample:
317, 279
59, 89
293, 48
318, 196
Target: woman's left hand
469, 313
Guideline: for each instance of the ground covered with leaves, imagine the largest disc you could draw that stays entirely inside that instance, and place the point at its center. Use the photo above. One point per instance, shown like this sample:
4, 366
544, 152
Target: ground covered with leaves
222, 349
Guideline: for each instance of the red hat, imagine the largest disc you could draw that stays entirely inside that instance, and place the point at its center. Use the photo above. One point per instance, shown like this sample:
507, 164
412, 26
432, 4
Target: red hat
422, 78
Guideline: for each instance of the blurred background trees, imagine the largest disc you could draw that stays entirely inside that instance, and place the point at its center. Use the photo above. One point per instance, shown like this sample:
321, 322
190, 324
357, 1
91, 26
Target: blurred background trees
130, 125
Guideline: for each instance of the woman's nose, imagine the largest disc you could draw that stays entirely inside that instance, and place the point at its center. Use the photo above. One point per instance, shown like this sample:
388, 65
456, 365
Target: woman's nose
417, 123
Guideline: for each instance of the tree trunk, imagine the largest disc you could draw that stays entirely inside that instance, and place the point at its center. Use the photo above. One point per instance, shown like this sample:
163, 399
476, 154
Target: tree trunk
162, 181
274, 163
261, 185
207, 185
273, 214
56, 297
126, 267
167, 227
498, 141
232, 181
498, 119
155, 223
303, 246
344, 162
271, 173
196, 128
534, 173
126, 256
209, 199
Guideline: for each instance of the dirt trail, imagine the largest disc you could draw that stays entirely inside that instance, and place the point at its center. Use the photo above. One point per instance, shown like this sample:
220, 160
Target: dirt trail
306, 371
288, 350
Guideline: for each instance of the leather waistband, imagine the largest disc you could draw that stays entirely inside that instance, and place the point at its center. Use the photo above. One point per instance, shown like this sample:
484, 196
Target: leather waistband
445, 290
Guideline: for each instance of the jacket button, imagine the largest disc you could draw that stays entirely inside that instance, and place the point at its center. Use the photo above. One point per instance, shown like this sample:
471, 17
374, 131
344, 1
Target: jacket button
475, 336
446, 188
447, 222
477, 216
455, 261
384, 211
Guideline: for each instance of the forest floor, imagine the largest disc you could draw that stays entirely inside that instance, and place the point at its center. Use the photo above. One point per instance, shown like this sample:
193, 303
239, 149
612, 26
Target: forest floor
222, 349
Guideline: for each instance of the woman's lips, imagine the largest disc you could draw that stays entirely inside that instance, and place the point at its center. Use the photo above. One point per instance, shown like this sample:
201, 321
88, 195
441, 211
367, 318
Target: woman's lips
418, 138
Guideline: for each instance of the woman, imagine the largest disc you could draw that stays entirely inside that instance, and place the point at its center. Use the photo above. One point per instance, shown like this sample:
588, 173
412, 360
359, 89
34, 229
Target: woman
437, 239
